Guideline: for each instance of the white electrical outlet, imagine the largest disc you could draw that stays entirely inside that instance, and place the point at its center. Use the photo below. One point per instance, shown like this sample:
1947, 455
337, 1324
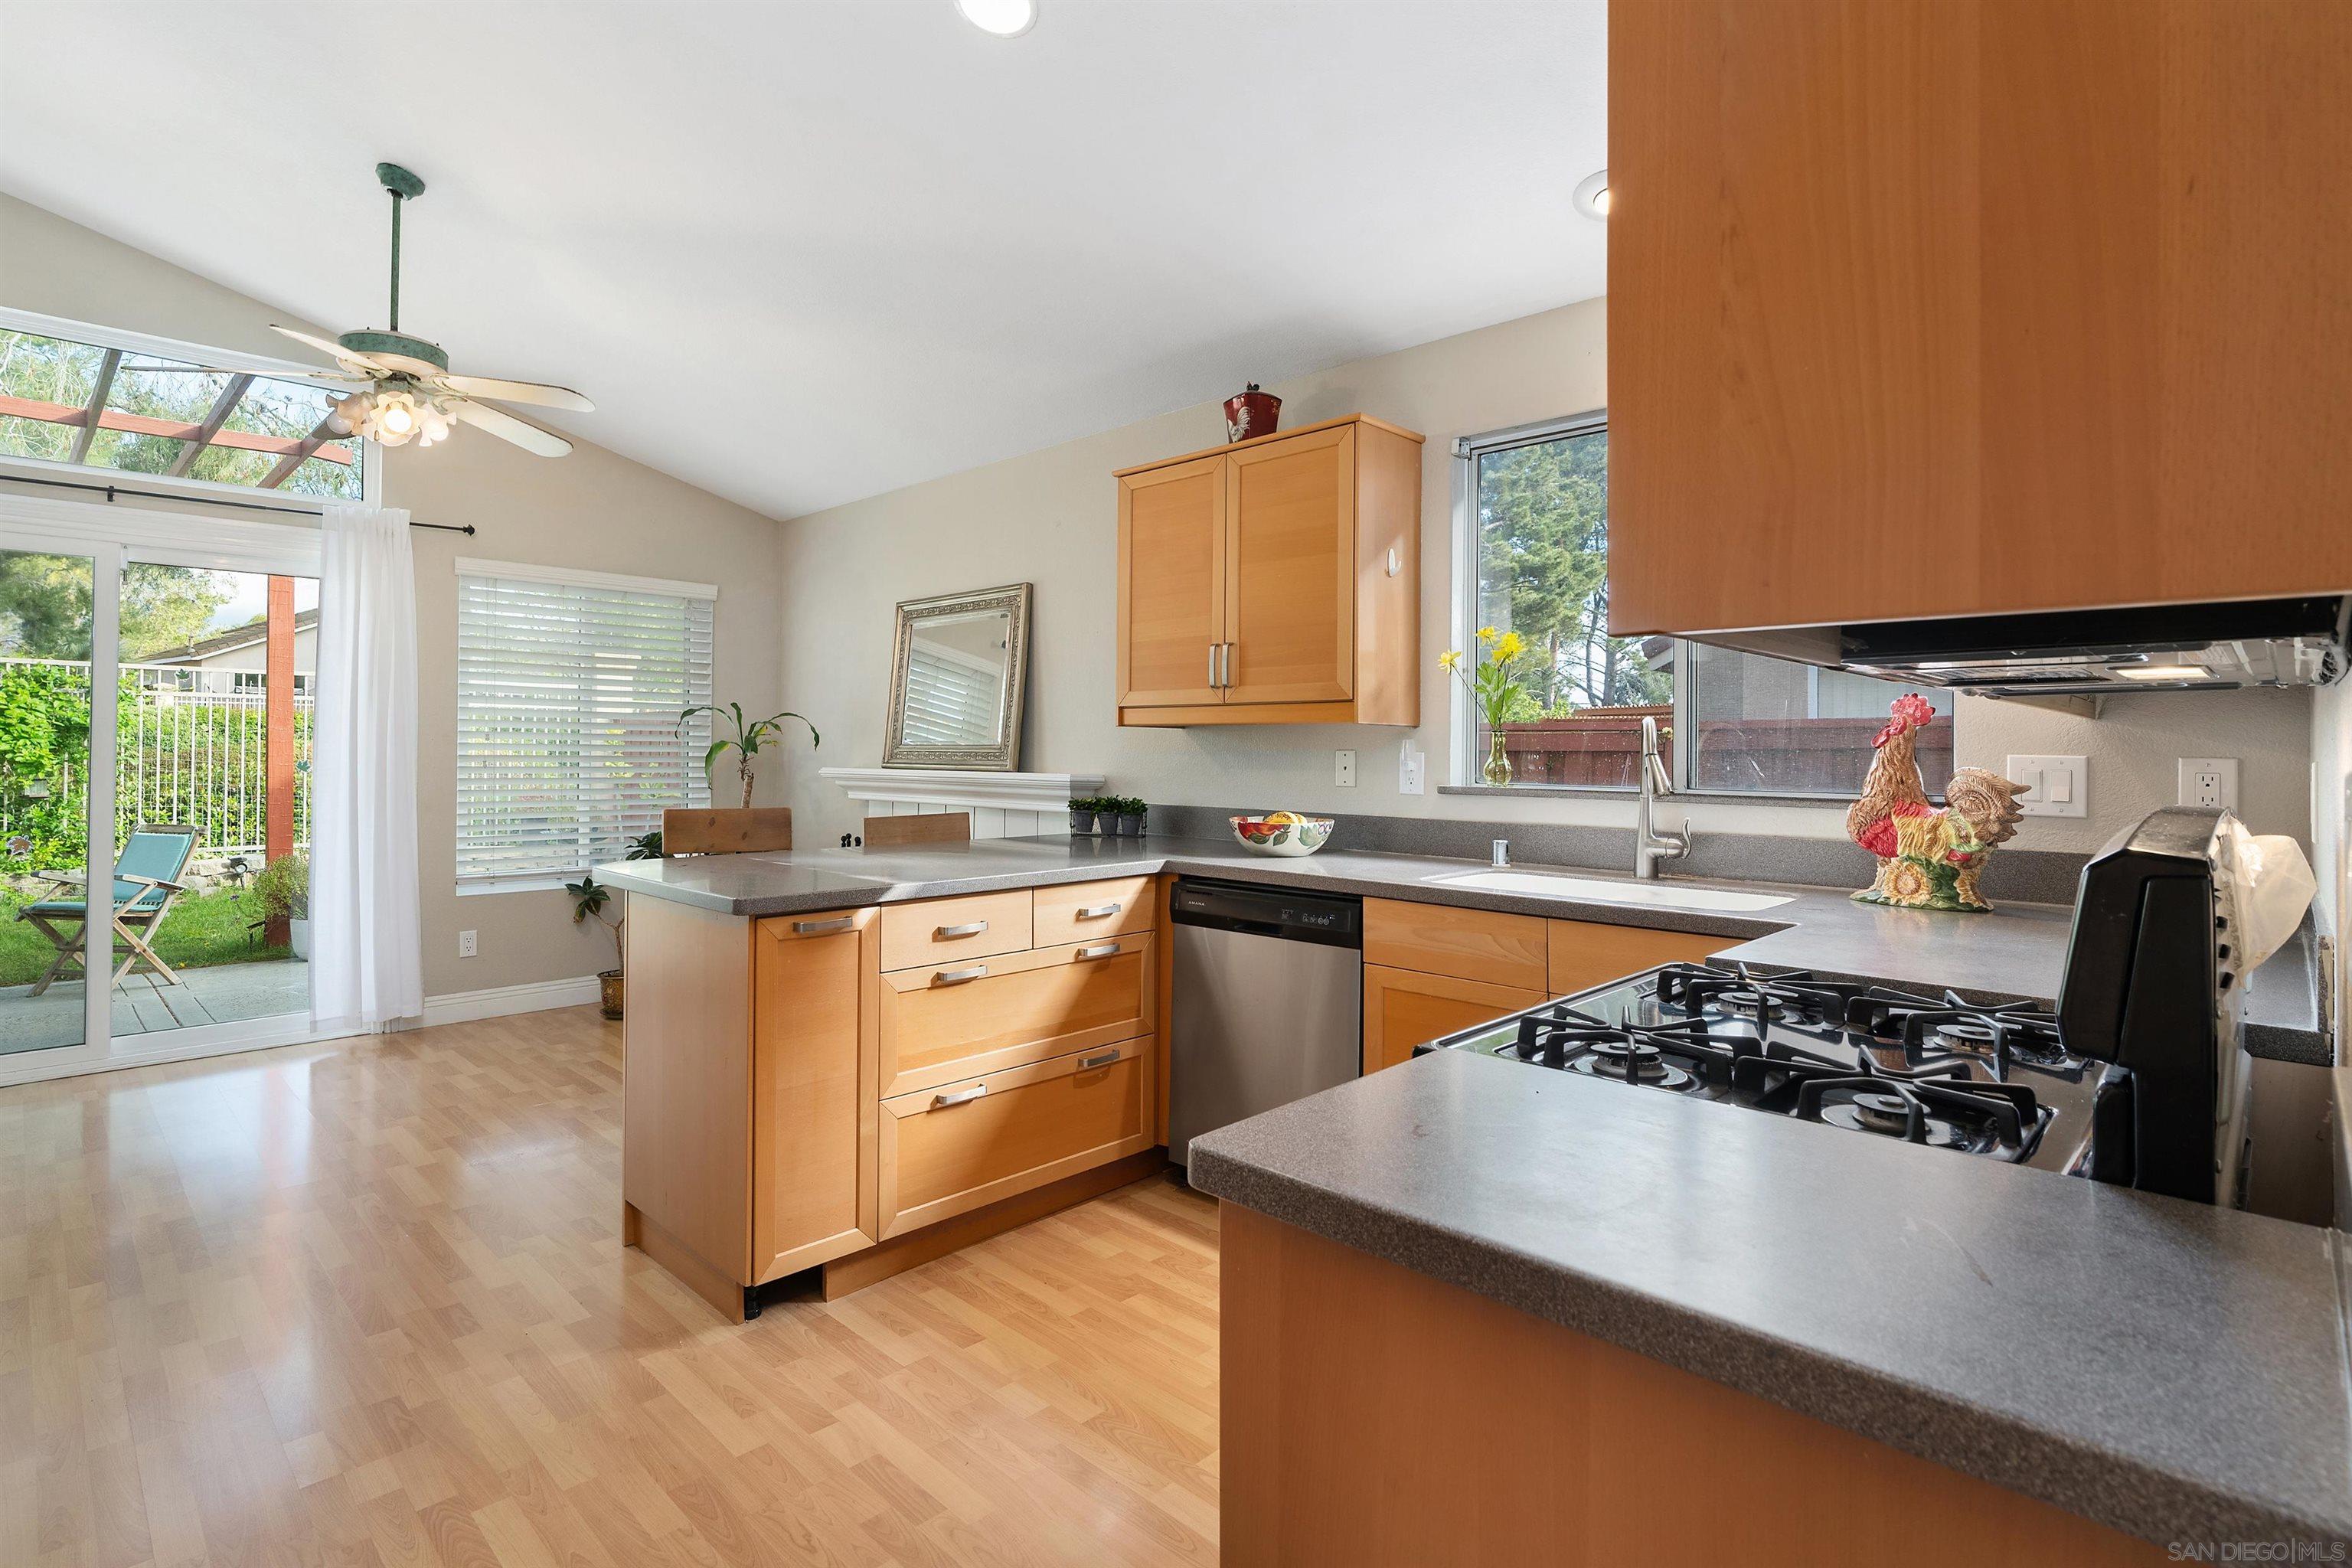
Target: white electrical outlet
1343, 769
2210, 780
1409, 761
464, 944
2055, 786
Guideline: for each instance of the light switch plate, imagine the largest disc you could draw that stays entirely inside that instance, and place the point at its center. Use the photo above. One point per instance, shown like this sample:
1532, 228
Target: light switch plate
1343, 769
2055, 786
2210, 780
1410, 760
464, 944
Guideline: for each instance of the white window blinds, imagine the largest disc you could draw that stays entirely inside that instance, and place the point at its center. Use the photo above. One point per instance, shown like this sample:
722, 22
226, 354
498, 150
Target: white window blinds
952, 699
569, 688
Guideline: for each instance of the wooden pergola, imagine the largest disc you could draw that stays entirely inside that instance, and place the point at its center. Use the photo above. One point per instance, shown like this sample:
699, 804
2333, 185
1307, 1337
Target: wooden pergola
87, 419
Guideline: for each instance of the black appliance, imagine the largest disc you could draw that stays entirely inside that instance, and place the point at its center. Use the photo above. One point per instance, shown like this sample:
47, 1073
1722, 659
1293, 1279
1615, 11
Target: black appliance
2140, 1078
2153, 984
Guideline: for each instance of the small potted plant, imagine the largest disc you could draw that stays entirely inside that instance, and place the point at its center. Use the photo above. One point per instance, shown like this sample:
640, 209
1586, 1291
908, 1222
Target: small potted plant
1130, 816
282, 891
1081, 814
591, 899
745, 742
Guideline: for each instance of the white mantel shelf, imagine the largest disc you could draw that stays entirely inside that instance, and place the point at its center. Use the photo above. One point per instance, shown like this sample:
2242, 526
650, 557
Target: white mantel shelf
1002, 805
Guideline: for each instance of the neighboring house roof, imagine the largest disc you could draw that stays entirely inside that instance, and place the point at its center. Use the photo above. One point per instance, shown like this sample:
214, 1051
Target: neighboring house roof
254, 631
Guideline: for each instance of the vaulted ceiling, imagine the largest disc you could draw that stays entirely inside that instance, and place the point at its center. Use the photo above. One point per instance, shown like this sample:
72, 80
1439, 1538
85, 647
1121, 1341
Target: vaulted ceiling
804, 253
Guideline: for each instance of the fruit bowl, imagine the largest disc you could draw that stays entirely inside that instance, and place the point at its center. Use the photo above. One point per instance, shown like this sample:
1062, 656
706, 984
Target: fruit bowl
1283, 832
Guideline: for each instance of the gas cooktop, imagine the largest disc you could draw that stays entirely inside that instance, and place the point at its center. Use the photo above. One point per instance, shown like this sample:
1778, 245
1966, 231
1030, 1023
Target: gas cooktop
1995, 1081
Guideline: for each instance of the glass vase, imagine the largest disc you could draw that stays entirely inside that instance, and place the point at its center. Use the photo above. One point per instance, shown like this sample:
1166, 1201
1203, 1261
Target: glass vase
1497, 771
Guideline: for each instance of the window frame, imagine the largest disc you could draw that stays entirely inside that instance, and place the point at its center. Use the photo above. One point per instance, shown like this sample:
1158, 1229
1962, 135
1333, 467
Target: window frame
1463, 725
481, 884
97, 336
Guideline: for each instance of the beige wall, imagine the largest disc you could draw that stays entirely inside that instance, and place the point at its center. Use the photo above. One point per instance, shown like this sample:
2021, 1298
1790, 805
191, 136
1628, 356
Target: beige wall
1048, 518
593, 509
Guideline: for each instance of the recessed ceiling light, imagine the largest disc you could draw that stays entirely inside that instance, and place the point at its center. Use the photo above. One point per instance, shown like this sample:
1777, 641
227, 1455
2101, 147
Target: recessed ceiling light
1591, 197
1005, 18
2163, 671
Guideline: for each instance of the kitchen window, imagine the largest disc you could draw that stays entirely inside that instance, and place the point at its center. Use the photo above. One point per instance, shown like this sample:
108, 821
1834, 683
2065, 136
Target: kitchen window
1531, 556
76, 396
570, 685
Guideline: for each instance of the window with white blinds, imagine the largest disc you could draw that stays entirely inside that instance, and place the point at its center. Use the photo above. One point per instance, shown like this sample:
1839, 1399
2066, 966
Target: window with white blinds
569, 688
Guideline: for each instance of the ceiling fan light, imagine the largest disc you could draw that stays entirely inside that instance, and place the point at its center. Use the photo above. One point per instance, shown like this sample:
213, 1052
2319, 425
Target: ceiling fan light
1005, 18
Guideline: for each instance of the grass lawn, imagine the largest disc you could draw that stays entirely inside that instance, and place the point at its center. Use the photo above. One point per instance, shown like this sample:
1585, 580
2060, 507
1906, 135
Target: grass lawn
201, 931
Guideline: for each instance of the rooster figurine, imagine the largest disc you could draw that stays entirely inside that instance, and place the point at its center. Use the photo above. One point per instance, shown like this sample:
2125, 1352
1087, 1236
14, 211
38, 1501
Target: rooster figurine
1927, 858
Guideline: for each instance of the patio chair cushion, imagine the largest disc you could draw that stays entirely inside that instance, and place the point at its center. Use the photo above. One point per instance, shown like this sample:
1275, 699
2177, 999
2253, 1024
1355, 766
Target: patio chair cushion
152, 852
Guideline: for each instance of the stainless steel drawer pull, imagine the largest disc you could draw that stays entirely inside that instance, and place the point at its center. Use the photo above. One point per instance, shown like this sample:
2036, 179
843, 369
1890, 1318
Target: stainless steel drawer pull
1099, 912
943, 933
958, 976
817, 928
1086, 1064
1212, 663
960, 1097
1099, 950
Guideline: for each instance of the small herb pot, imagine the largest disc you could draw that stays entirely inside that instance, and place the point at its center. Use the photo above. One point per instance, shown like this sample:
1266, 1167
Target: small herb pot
1081, 822
1130, 825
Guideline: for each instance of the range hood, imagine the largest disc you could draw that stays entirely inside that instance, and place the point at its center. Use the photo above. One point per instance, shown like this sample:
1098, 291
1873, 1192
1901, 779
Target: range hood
2251, 642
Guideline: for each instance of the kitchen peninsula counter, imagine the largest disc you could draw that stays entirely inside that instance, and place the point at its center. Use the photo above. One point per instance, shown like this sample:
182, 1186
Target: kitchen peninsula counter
2018, 951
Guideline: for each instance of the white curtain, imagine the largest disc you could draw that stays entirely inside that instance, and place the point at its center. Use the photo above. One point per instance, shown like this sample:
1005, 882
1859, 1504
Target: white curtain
366, 952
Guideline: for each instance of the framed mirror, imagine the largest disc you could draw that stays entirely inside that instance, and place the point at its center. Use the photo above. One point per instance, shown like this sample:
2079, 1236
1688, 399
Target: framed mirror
957, 680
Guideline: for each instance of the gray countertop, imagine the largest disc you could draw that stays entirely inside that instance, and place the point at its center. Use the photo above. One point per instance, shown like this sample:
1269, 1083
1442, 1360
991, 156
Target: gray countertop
2018, 951
2172, 1370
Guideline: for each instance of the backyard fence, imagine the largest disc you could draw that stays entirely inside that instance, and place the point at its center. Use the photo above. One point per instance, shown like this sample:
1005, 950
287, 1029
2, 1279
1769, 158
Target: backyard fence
192, 746
1602, 747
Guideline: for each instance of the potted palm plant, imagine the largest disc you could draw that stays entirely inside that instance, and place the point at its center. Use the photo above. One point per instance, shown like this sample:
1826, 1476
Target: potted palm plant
591, 899
747, 740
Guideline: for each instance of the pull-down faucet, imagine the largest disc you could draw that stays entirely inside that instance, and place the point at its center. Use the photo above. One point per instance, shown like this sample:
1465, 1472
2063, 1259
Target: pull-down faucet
1651, 844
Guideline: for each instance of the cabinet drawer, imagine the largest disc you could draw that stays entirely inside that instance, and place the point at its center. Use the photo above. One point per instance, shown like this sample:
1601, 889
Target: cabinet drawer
950, 931
951, 1021
1586, 953
1090, 911
1467, 944
975, 1141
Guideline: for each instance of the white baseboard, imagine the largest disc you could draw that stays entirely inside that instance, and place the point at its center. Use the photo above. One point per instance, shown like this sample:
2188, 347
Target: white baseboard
498, 1001
295, 1029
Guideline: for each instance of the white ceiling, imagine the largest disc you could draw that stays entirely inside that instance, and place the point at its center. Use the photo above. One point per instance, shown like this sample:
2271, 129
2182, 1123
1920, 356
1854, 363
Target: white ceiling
800, 254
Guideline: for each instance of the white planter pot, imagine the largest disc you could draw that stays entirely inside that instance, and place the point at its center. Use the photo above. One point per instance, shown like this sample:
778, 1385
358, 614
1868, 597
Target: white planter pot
298, 933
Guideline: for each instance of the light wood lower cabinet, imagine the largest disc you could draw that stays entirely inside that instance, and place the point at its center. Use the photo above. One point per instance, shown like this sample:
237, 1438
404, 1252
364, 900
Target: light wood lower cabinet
954, 930
967, 1144
1586, 953
1090, 911
959, 1020
812, 985
1404, 1007
1469, 944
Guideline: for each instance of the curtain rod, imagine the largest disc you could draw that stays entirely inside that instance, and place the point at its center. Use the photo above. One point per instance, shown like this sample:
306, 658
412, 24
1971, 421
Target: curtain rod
111, 491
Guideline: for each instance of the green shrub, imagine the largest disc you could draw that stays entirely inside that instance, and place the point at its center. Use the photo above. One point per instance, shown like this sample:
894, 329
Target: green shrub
282, 889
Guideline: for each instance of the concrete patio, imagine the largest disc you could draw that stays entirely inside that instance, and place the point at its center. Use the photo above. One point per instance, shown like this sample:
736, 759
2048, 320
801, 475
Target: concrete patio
222, 993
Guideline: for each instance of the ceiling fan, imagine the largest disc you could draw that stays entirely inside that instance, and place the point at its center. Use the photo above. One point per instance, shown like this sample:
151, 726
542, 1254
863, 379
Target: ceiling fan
409, 393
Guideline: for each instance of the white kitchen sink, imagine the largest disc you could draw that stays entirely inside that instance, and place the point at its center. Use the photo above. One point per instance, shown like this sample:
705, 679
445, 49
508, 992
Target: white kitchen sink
1658, 895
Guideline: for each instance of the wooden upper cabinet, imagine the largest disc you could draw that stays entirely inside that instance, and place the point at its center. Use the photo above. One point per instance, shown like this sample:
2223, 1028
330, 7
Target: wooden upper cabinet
1274, 581
1290, 560
1920, 308
1172, 605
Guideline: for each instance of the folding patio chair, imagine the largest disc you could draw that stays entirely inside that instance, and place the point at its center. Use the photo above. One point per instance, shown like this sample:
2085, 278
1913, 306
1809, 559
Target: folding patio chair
146, 884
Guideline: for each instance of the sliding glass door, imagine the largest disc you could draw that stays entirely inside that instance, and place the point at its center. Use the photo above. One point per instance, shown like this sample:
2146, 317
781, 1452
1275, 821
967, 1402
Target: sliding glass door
156, 682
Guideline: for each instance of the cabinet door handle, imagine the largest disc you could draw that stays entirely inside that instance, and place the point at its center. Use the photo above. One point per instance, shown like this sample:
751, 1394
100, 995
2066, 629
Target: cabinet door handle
1099, 950
944, 933
960, 1097
818, 928
1225, 669
1099, 912
1087, 1064
958, 976
1213, 682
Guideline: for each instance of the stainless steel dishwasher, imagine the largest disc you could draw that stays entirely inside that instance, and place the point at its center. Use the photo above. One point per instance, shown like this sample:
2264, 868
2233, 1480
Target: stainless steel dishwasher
1269, 1001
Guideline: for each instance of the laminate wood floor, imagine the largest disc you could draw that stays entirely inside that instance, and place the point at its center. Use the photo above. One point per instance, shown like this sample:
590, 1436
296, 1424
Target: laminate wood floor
367, 1304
